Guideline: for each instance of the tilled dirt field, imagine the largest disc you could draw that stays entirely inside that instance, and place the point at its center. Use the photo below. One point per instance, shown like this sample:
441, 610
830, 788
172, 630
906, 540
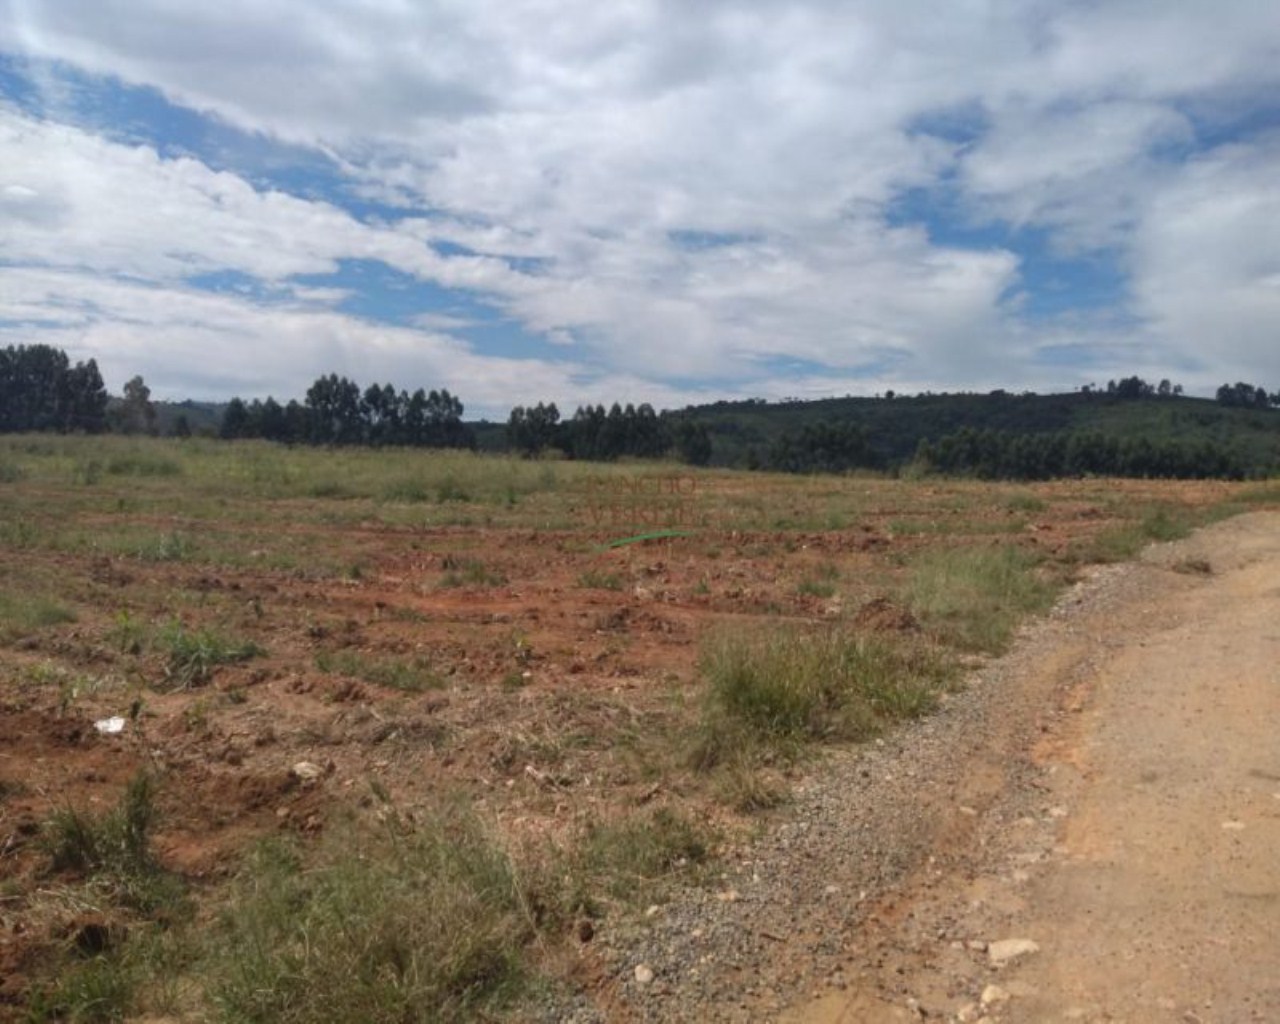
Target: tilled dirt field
542, 674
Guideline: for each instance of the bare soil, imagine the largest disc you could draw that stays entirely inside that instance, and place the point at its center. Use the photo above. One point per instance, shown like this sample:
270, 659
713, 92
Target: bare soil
551, 698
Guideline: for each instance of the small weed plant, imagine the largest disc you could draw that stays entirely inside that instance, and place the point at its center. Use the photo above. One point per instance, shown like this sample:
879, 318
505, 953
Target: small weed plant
597, 579
410, 676
821, 583
628, 856
114, 848
193, 655
99, 976
470, 572
23, 614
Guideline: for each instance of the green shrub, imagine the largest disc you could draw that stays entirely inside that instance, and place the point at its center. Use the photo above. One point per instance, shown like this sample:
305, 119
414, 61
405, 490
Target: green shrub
1164, 525
117, 842
167, 547
1262, 494
816, 587
451, 490
1025, 502
98, 990
1120, 543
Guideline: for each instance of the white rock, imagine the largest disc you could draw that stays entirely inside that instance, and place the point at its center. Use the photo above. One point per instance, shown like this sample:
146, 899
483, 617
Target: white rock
644, 974
1233, 826
307, 771
1007, 950
968, 1013
994, 995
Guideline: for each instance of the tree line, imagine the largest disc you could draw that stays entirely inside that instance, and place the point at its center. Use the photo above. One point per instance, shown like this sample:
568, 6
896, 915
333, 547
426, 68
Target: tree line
998, 455
596, 435
1246, 396
41, 390
827, 447
336, 411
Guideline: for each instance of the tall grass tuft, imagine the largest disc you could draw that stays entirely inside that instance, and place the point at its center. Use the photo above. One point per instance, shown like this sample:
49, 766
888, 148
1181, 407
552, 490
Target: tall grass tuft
791, 685
193, 655
627, 856
144, 464
421, 925
20, 615
411, 676
975, 597
114, 848
1120, 543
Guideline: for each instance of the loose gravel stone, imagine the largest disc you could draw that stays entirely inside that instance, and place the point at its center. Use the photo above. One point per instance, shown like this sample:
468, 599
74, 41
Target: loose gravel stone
994, 995
1008, 950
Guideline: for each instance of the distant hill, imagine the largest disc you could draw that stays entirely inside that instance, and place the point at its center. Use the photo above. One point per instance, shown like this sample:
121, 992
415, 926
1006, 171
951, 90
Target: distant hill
201, 417
744, 433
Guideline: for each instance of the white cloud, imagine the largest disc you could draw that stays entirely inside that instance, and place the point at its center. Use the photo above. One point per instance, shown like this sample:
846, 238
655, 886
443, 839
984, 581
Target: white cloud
1082, 171
588, 136
75, 200
72, 198
1206, 264
195, 344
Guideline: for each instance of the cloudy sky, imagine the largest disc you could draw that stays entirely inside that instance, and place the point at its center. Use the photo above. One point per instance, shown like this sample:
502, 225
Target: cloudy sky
645, 200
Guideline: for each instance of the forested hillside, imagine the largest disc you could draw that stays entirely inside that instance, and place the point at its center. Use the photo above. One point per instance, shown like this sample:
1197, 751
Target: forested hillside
1130, 428
887, 432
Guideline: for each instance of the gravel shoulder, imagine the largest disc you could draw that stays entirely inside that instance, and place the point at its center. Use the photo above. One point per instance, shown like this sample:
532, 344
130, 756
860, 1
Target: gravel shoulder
1109, 792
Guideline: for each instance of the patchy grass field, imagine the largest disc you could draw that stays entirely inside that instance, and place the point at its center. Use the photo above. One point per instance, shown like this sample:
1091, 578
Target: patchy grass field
425, 723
